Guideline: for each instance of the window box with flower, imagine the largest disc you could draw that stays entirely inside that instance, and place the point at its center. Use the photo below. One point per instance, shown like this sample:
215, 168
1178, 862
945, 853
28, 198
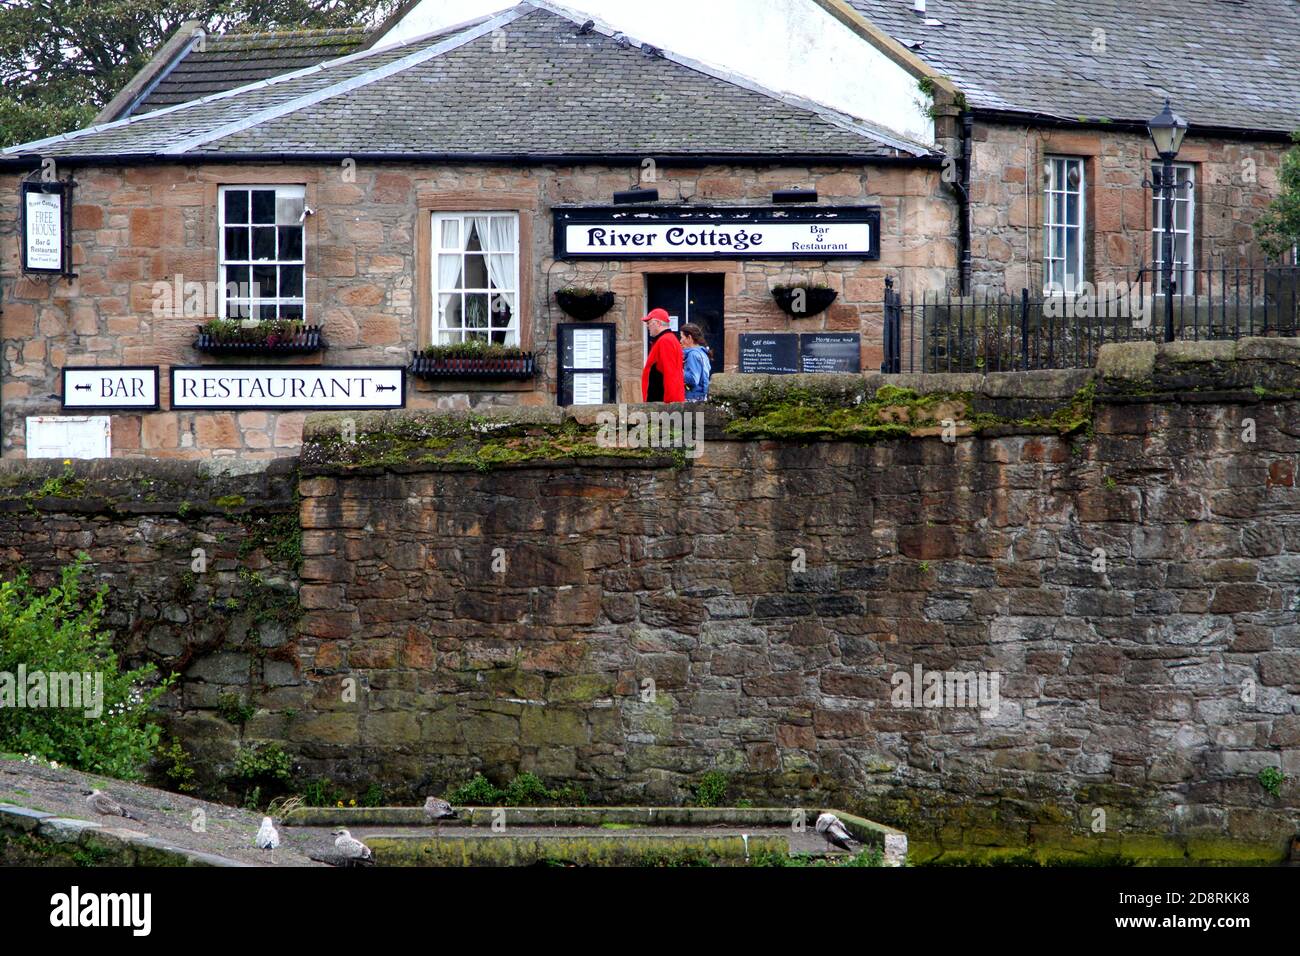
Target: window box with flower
269, 337
474, 360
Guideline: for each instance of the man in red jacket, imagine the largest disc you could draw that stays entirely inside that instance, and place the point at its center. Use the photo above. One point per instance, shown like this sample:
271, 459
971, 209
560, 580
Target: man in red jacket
661, 379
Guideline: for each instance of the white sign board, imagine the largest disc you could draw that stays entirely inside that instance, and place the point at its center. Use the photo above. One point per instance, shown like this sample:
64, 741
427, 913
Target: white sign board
43, 231
589, 388
110, 387
729, 239
293, 386
72, 436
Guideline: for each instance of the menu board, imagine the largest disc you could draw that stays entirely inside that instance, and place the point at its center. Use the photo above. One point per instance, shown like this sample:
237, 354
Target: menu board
773, 353
830, 352
586, 366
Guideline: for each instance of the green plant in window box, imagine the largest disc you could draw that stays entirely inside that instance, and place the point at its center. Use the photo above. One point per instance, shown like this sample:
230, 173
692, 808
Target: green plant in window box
279, 335
474, 359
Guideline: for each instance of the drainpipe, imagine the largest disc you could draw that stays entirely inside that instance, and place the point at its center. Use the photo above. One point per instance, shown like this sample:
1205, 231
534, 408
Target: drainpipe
963, 200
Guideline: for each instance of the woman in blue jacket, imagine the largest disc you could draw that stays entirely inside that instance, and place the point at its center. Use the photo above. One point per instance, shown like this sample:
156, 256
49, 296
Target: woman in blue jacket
698, 363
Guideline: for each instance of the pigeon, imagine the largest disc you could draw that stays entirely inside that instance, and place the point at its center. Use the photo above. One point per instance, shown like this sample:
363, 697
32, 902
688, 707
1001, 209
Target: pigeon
102, 803
833, 832
437, 810
355, 853
268, 837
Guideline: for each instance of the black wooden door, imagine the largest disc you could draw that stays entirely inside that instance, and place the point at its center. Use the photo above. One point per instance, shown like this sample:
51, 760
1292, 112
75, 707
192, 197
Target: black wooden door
693, 297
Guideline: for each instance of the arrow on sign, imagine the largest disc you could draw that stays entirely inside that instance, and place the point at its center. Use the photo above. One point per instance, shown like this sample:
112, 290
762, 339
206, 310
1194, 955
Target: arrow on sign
82, 388
385, 388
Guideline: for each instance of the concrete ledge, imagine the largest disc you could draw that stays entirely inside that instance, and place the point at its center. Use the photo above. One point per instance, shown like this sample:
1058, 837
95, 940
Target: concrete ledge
892, 842
71, 841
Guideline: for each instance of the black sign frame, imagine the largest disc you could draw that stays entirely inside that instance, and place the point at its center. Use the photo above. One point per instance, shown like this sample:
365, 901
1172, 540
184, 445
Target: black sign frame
747, 337
826, 336
564, 376
64, 188
694, 215
286, 368
157, 395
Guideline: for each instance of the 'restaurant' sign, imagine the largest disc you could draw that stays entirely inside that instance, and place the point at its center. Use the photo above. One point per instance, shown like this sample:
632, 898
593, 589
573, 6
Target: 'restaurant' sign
291, 386
46, 226
110, 387
736, 232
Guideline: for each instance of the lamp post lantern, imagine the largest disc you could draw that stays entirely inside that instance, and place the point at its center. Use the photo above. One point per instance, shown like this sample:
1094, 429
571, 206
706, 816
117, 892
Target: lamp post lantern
1167, 130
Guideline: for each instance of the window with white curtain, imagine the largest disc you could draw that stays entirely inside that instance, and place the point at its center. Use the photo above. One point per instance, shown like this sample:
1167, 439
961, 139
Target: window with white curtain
476, 278
1184, 226
1063, 225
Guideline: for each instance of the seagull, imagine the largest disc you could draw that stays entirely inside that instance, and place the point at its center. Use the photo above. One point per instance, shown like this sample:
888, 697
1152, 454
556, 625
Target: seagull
268, 837
833, 832
437, 810
102, 803
355, 853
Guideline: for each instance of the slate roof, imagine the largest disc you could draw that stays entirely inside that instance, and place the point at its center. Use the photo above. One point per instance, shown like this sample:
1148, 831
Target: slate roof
1233, 64
230, 60
532, 82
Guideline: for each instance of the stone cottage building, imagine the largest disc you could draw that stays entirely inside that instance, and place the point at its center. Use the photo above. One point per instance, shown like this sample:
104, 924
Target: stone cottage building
330, 205
1050, 102
436, 192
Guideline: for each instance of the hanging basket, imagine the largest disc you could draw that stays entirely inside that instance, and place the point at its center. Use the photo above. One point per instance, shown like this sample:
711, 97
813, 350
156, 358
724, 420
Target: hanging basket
437, 368
816, 299
301, 341
584, 304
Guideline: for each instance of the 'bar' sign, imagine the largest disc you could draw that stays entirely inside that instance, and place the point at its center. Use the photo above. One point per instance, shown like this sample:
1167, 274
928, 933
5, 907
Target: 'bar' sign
288, 386
122, 387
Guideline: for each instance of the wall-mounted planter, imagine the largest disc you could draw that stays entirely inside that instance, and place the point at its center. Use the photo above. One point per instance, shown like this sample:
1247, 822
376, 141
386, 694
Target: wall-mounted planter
439, 368
304, 341
584, 304
815, 300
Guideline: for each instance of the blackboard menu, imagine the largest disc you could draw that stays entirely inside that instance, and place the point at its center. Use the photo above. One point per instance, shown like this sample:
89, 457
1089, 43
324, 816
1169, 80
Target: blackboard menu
773, 353
830, 352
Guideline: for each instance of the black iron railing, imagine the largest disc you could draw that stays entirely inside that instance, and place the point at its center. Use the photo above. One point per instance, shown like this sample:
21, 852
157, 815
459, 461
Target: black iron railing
1001, 332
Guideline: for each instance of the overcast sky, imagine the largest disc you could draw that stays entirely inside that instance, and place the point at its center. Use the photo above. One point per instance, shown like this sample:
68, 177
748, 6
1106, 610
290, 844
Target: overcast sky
785, 45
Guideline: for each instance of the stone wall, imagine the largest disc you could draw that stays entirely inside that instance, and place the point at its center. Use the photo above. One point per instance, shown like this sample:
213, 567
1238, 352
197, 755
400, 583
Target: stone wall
1154, 689
1235, 181
200, 566
366, 272
500, 594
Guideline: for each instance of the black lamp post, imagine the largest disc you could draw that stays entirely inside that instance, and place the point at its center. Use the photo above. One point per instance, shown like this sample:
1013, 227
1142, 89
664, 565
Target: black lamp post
1167, 131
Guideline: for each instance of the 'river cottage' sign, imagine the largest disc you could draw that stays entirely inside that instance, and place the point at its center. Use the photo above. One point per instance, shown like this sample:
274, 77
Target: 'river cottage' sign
735, 232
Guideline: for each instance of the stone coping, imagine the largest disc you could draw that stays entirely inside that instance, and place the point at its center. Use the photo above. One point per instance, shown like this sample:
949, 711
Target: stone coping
1157, 371
124, 846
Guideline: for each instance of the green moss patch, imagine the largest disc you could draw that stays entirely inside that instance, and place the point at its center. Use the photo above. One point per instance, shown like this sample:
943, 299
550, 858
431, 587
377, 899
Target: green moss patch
467, 442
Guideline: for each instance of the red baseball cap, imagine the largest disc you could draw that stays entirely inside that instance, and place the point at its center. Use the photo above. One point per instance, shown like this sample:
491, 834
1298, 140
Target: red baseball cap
660, 314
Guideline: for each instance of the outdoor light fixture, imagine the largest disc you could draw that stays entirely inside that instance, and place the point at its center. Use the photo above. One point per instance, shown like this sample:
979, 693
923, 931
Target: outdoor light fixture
629, 196
782, 197
1167, 130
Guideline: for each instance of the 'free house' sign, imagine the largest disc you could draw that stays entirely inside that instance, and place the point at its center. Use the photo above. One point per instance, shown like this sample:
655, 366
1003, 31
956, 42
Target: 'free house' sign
736, 232
288, 386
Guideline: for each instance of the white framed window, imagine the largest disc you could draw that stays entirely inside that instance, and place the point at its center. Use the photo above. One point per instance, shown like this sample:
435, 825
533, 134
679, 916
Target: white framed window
476, 277
1184, 201
1063, 223
262, 252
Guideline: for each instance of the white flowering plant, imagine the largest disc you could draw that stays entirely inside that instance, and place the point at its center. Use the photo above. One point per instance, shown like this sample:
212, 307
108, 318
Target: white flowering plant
58, 632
